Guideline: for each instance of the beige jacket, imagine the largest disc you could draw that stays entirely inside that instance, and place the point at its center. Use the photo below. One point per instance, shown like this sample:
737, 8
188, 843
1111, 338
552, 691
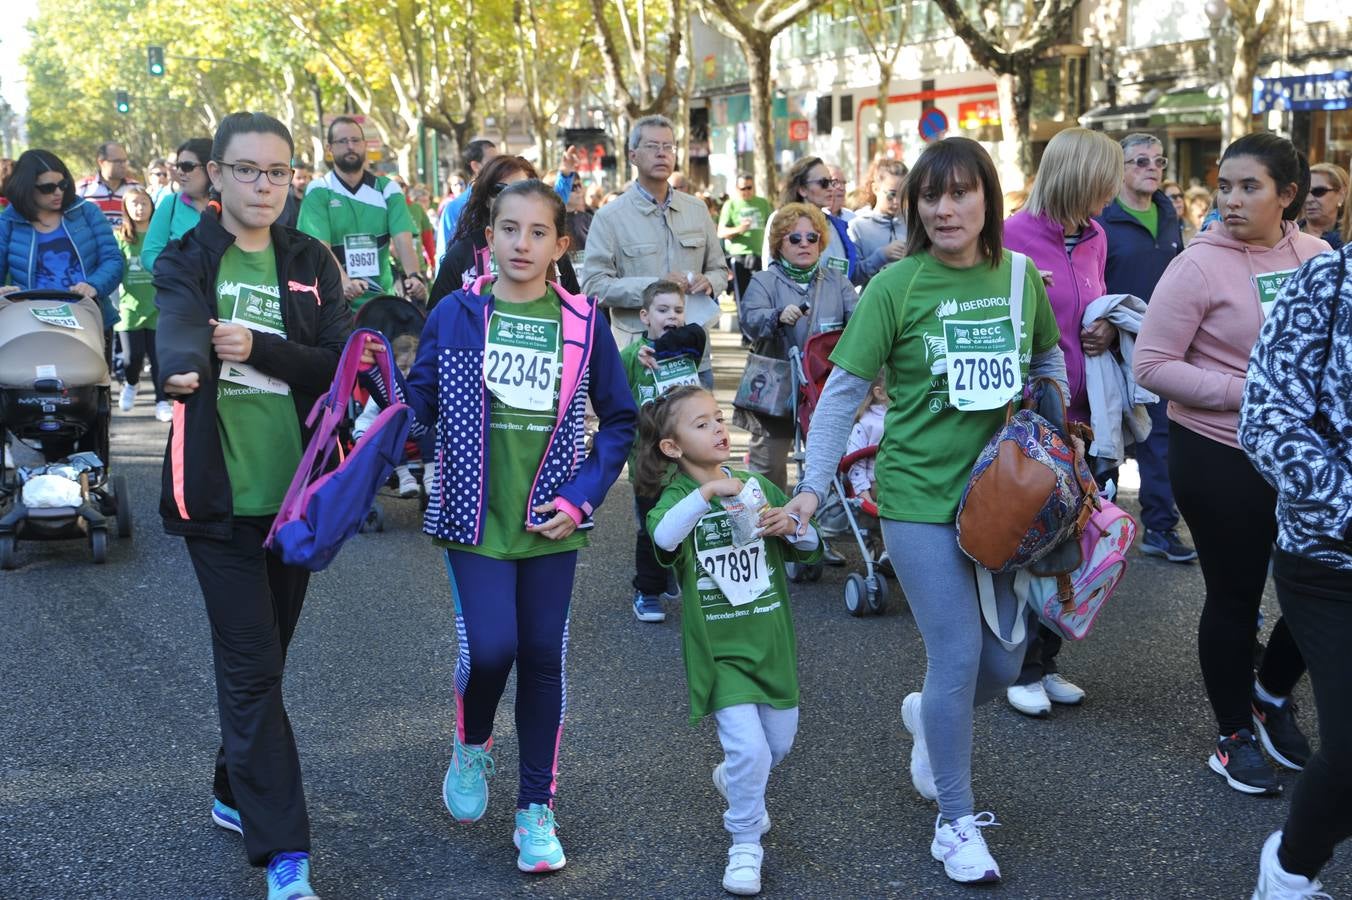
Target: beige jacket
632, 243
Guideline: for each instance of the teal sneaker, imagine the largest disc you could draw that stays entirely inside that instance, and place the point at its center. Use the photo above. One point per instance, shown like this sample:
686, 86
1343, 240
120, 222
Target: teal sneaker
226, 817
537, 839
465, 789
289, 877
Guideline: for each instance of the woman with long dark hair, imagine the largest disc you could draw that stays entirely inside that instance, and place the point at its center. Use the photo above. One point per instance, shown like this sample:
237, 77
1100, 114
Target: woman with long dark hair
180, 211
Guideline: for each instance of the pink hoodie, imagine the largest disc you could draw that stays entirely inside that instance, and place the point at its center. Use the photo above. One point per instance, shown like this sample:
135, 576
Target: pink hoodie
1203, 321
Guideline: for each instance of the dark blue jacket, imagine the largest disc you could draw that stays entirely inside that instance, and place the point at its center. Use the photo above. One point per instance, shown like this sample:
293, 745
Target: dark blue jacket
90, 235
1135, 259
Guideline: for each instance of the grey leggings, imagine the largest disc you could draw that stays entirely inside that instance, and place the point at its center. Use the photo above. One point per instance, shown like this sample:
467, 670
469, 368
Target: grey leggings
966, 665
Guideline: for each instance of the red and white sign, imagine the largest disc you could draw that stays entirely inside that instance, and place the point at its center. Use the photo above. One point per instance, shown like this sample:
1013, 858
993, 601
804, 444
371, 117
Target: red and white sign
978, 113
799, 129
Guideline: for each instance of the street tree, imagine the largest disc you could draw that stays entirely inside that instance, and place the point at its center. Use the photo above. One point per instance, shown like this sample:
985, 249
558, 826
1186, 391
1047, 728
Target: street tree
753, 25
1252, 24
883, 27
640, 69
1008, 38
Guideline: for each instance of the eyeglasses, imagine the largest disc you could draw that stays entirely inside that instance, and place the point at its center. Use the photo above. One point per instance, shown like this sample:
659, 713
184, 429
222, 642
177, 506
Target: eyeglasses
1145, 162
1319, 192
348, 142
246, 173
654, 147
798, 237
825, 183
51, 187
746, 187
187, 168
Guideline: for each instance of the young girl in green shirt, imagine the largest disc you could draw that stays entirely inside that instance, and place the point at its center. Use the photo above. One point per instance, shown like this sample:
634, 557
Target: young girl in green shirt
727, 537
136, 300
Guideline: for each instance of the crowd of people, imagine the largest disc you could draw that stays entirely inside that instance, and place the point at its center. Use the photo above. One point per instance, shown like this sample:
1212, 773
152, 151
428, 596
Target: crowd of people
561, 315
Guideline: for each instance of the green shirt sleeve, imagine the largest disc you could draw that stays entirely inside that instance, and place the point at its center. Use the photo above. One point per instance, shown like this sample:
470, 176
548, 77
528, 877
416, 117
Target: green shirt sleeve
867, 343
313, 218
399, 220
673, 494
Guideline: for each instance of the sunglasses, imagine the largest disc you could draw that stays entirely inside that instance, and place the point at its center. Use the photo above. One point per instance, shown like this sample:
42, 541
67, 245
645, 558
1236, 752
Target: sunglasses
746, 187
187, 168
51, 187
825, 183
797, 237
1320, 191
1174, 196
1145, 162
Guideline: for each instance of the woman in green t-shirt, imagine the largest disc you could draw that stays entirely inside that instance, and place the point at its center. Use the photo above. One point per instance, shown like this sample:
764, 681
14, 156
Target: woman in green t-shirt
136, 302
914, 321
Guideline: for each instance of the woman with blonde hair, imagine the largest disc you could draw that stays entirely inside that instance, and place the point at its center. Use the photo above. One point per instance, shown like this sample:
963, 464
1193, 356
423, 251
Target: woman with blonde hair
1328, 215
1081, 173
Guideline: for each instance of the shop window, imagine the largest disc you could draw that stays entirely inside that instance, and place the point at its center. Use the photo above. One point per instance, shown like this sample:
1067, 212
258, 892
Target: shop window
847, 108
824, 122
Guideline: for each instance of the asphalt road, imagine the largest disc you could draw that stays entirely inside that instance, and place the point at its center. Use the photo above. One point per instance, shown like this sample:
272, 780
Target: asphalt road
108, 728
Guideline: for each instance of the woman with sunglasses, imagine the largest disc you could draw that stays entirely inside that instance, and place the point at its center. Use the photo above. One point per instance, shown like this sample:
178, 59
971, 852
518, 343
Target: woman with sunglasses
180, 212
1328, 215
468, 256
809, 181
795, 297
880, 232
51, 239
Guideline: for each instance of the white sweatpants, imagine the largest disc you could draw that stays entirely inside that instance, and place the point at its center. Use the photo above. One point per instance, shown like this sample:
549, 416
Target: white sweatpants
755, 737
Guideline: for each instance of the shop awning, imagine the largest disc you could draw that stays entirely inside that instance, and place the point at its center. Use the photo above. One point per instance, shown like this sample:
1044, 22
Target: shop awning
1190, 107
1117, 118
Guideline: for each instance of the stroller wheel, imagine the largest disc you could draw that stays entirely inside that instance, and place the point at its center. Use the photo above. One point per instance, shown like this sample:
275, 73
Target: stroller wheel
9, 558
98, 545
856, 594
877, 598
375, 520
123, 502
814, 572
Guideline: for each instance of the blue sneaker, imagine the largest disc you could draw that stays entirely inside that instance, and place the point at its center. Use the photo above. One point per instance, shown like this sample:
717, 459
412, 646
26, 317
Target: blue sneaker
226, 816
465, 789
1167, 545
648, 609
537, 839
289, 877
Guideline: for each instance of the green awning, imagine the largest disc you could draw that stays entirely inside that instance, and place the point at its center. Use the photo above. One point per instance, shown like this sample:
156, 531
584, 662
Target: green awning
1194, 107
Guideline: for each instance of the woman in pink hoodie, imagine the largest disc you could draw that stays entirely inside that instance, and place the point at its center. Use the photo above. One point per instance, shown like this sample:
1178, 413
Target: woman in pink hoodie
1194, 347
1080, 174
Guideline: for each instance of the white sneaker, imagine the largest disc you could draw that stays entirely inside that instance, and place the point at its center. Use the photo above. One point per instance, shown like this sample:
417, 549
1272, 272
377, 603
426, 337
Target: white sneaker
742, 876
128, 398
1058, 690
922, 776
1275, 883
1029, 699
164, 411
962, 849
408, 485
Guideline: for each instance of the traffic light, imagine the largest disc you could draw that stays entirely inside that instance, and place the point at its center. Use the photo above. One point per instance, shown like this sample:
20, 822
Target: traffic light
123, 102
155, 61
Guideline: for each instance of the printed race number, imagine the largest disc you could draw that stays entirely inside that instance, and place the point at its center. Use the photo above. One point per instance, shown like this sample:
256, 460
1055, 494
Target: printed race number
741, 573
521, 361
508, 368
984, 374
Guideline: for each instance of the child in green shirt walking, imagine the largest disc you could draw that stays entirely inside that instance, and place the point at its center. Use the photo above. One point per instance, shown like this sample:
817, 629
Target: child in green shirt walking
136, 304
728, 537
668, 357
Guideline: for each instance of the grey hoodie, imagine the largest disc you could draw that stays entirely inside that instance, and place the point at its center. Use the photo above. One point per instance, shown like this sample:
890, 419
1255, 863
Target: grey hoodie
871, 231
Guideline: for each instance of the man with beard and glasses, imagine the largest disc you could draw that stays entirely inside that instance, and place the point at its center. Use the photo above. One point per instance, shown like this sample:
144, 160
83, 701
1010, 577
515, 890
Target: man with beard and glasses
360, 216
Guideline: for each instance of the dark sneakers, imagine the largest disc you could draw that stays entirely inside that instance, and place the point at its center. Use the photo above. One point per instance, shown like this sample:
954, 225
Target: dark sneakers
1167, 545
1239, 761
1280, 735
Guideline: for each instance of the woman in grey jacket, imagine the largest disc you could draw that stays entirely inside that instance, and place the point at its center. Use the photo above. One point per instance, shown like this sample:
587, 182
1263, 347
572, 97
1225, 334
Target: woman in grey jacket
1296, 425
785, 304
880, 232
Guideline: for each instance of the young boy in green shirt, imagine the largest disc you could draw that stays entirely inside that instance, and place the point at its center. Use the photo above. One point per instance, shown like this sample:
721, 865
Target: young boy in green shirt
667, 357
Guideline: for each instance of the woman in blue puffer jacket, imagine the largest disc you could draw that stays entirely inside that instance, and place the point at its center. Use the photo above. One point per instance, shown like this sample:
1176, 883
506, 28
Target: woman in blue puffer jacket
50, 239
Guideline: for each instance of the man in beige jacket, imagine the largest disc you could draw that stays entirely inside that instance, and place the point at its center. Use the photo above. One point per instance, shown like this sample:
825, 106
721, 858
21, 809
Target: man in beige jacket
649, 232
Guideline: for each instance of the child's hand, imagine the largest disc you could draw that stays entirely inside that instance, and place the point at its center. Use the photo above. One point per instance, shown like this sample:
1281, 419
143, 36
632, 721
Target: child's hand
866, 494
723, 487
557, 528
647, 358
775, 521
368, 352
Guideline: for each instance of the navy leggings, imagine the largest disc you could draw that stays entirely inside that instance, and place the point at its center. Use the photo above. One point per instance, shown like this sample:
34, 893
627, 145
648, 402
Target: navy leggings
513, 611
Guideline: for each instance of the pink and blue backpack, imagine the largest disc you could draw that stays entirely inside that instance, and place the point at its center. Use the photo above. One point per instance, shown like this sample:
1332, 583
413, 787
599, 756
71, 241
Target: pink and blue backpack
322, 508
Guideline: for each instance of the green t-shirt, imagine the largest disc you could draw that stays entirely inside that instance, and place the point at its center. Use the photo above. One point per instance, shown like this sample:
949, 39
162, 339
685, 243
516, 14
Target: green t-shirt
928, 445
260, 434
136, 299
522, 352
646, 384
357, 224
1150, 217
733, 654
418, 216
757, 211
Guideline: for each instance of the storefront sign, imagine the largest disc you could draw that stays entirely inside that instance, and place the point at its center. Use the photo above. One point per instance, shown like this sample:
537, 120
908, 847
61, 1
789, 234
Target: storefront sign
799, 129
1330, 90
978, 113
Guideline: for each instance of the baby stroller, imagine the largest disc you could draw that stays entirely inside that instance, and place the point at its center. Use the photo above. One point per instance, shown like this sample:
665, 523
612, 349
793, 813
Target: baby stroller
55, 400
866, 593
392, 316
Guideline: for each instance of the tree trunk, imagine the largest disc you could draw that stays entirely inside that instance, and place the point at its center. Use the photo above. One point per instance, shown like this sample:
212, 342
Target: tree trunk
1239, 95
884, 89
1015, 93
757, 51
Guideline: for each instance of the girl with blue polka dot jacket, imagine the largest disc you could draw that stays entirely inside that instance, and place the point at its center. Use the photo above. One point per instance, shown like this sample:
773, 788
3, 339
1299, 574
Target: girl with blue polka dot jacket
503, 374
